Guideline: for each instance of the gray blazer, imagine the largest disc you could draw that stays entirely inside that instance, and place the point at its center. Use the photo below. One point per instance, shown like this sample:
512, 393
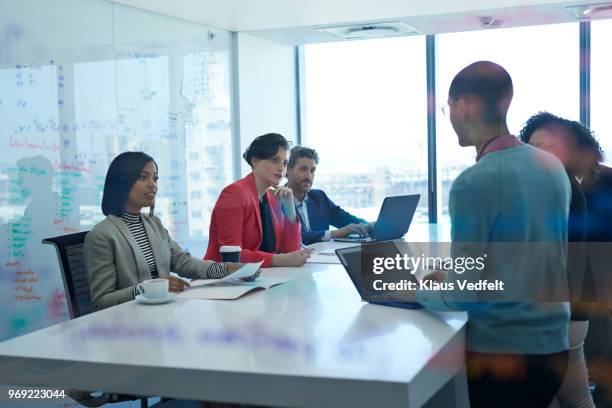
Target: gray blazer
115, 263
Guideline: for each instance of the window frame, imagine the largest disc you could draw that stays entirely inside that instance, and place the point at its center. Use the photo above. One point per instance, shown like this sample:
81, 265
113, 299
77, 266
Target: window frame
434, 193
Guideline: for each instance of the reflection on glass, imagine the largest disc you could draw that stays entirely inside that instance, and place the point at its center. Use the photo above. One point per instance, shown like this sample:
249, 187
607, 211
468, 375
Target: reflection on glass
128, 104
69, 104
366, 115
544, 71
36, 196
207, 134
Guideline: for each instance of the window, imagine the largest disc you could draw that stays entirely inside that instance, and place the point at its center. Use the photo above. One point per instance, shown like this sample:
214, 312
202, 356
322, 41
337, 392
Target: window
543, 62
601, 85
366, 115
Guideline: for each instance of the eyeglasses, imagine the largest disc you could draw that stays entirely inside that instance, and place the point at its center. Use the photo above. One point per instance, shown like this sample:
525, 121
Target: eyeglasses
445, 110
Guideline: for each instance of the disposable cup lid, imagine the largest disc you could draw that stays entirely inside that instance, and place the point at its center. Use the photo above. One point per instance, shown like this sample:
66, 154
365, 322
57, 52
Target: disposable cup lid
229, 248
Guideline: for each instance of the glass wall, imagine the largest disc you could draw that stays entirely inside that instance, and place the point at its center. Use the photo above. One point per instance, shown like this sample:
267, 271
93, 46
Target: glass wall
366, 115
70, 104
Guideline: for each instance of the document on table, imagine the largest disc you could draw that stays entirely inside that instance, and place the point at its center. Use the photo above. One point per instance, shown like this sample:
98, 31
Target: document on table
248, 271
324, 256
229, 292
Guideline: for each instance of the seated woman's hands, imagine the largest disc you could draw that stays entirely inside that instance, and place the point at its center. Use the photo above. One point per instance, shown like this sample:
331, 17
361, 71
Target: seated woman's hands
176, 285
295, 258
285, 196
233, 267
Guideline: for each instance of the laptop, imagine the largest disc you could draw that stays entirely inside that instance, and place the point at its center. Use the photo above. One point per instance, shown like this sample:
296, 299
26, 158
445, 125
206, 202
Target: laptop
393, 220
351, 260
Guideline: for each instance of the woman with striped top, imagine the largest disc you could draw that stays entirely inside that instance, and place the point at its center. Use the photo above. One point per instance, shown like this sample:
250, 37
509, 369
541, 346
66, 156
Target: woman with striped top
129, 247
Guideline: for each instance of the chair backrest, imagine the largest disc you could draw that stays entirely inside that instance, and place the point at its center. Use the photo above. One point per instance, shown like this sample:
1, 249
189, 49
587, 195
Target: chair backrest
70, 252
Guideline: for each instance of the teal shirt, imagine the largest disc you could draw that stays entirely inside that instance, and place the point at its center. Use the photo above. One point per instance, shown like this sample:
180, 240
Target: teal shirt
519, 195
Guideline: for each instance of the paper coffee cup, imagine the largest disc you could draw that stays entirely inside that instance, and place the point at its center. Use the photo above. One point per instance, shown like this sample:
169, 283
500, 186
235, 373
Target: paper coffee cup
155, 288
230, 253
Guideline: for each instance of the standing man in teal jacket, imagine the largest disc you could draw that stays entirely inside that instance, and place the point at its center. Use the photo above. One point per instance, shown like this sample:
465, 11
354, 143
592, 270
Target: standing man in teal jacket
514, 196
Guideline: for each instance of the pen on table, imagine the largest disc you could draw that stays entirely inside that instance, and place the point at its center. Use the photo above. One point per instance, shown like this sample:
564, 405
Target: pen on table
311, 250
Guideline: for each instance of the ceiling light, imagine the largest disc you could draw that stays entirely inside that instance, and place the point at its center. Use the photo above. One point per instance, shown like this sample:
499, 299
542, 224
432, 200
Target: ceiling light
374, 30
591, 11
490, 22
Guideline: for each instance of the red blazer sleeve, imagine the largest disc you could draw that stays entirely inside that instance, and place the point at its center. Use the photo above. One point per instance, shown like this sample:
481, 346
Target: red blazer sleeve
227, 224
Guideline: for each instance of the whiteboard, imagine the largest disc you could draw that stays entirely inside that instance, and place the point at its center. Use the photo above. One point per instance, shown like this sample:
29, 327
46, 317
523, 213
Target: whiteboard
80, 82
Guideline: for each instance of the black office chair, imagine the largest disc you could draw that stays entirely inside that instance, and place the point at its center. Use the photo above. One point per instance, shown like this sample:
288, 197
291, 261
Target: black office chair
71, 255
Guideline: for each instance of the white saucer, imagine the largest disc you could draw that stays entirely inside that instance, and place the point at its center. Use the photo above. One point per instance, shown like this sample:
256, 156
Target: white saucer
169, 298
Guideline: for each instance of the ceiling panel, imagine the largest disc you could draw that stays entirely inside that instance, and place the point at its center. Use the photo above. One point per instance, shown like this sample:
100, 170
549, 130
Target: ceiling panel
295, 21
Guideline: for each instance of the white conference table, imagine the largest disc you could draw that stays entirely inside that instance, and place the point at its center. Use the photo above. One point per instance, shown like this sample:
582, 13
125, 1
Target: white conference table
308, 343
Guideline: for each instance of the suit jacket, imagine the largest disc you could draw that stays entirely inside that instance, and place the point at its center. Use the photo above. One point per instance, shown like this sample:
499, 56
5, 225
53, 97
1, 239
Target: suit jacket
598, 194
115, 263
323, 212
236, 220
579, 278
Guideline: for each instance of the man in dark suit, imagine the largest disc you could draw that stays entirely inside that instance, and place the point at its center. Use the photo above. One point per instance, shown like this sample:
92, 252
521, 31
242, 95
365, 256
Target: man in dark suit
315, 210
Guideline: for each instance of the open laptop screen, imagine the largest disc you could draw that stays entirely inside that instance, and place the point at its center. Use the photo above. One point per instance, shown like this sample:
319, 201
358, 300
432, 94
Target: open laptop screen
357, 262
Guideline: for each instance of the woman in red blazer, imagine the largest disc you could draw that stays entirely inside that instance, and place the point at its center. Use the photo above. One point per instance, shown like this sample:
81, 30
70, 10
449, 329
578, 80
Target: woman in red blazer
257, 214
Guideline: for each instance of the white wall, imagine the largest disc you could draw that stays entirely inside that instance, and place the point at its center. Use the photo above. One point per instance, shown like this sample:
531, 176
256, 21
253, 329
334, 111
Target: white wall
266, 90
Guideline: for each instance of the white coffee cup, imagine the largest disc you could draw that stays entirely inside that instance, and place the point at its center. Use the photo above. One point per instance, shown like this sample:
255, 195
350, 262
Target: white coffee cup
155, 288
230, 253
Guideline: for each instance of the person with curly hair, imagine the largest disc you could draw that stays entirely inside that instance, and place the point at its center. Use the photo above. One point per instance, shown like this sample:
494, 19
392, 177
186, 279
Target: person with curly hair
590, 221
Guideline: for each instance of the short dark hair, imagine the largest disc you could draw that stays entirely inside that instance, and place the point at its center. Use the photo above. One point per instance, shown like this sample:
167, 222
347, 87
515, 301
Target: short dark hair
300, 151
488, 81
122, 173
584, 137
265, 147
